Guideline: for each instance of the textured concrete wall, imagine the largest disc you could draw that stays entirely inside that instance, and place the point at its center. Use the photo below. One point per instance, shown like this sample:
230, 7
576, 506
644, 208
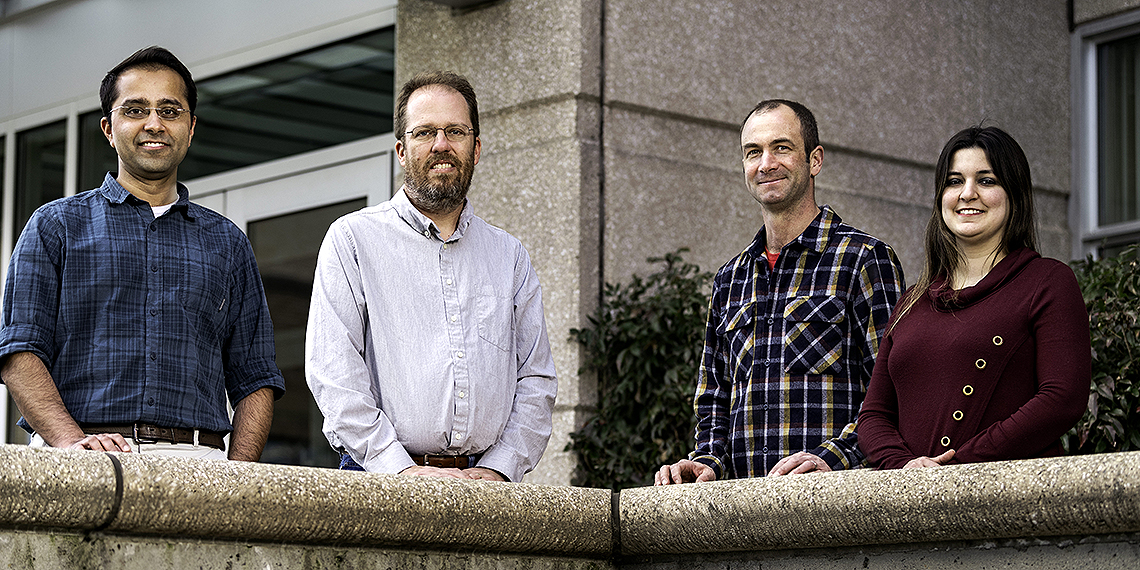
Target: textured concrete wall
86, 510
1085, 11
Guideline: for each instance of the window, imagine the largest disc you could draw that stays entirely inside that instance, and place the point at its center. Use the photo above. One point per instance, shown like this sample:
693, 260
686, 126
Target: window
312, 100
40, 162
1106, 114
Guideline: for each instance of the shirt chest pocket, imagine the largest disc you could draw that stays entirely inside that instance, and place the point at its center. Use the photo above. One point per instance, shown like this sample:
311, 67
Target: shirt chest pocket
494, 314
813, 337
737, 328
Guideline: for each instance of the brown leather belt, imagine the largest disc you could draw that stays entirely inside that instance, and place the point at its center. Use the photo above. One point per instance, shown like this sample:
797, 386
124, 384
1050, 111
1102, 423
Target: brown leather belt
454, 461
146, 433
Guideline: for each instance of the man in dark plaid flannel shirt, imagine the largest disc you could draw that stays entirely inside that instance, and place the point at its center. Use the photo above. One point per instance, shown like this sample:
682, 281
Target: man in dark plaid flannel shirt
794, 321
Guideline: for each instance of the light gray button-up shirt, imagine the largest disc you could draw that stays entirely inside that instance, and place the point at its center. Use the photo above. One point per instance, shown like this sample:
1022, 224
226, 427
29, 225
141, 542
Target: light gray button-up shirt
421, 346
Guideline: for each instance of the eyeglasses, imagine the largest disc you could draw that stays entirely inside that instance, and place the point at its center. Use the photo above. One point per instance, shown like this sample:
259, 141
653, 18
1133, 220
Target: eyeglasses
138, 113
454, 133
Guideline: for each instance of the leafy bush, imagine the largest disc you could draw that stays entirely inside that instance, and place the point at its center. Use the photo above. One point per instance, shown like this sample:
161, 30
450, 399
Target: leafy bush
1111, 289
644, 344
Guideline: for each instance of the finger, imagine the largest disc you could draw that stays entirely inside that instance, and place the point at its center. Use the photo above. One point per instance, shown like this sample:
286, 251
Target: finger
947, 456
675, 475
707, 474
806, 467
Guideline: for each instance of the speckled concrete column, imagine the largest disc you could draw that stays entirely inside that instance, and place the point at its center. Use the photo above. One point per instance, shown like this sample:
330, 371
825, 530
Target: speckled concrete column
246, 501
49, 488
1096, 494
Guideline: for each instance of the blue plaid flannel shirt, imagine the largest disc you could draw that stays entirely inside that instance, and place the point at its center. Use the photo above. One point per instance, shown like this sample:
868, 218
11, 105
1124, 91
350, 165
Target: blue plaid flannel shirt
789, 351
138, 319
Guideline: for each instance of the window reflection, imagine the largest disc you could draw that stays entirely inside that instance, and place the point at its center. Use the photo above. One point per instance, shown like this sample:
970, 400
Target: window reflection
286, 250
40, 162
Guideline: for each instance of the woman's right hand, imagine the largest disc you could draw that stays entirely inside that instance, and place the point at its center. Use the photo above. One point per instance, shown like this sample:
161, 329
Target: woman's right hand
929, 461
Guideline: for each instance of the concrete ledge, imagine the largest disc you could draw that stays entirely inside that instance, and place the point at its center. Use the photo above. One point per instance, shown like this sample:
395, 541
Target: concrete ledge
1085, 495
256, 502
61, 507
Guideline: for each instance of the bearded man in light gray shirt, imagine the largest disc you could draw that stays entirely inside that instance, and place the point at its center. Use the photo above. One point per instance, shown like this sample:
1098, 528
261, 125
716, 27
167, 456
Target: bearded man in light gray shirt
426, 349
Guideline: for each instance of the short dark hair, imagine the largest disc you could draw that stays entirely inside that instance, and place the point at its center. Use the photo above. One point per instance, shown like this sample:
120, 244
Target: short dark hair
150, 58
444, 78
809, 130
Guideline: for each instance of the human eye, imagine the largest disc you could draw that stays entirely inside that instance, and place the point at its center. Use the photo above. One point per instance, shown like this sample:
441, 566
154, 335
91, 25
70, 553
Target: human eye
750, 153
421, 134
455, 134
169, 113
134, 112
953, 180
988, 181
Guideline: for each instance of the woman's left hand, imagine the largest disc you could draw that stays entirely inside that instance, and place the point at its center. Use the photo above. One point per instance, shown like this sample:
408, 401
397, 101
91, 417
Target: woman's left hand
930, 461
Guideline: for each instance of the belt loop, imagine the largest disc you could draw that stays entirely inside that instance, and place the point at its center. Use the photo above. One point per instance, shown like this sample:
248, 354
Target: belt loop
135, 429
195, 438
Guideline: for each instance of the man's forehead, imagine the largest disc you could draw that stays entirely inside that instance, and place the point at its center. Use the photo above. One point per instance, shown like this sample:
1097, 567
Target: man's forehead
777, 124
437, 98
152, 84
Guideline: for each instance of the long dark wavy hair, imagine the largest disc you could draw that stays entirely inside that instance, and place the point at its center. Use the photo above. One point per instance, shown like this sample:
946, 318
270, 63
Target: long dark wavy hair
1011, 169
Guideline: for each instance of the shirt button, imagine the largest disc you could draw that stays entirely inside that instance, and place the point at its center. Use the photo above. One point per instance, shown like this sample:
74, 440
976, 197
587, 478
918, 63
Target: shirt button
427, 233
458, 436
150, 401
445, 246
765, 450
153, 312
945, 441
153, 228
980, 363
454, 318
462, 394
154, 356
967, 390
958, 415
154, 268
459, 354
449, 282
998, 340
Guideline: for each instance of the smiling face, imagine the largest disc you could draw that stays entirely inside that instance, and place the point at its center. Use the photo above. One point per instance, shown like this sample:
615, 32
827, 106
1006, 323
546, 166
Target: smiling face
149, 149
975, 207
437, 173
778, 170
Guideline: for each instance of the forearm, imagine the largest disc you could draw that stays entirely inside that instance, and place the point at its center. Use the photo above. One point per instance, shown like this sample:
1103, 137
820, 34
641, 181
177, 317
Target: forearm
252, 417
38, 399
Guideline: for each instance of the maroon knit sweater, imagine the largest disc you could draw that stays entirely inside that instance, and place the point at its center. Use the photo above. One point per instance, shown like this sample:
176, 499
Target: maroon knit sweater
995, 371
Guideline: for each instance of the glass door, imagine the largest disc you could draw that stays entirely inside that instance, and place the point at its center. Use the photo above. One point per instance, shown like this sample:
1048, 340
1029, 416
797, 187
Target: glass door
286, 219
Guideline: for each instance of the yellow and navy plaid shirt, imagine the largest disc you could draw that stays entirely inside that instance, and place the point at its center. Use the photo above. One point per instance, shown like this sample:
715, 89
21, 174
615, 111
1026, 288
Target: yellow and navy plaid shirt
789, 351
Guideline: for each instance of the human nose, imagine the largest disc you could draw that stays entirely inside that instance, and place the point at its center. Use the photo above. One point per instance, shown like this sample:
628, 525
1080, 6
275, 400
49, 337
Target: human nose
969, 191
153, 123
767, 162
440, 143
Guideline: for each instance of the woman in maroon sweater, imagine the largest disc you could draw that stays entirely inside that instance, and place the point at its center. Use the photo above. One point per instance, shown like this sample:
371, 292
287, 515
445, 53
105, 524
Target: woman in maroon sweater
987, 357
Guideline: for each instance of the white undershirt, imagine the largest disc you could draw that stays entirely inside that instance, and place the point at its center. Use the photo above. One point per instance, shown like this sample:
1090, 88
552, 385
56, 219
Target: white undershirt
160, 210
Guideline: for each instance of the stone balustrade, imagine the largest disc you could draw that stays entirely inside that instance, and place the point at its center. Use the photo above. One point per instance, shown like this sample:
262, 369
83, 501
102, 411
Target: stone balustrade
64, 509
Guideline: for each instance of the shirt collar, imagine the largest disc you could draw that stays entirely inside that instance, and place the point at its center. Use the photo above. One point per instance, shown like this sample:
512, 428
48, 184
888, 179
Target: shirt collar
813, 238
116, 194
423, 224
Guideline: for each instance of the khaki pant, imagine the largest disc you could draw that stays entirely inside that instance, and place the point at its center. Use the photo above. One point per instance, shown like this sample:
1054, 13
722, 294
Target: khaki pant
159, 448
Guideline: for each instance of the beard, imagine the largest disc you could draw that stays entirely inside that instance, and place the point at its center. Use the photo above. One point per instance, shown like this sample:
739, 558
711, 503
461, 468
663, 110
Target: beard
438, 193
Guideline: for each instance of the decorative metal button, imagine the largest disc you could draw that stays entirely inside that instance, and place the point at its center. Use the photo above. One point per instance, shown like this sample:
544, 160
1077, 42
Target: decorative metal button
958, 415
998, 341
980, 363
945, 441
967, 390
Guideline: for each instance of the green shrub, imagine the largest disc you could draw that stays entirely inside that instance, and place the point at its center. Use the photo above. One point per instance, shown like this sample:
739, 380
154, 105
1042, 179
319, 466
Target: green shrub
644, 344
1111, 289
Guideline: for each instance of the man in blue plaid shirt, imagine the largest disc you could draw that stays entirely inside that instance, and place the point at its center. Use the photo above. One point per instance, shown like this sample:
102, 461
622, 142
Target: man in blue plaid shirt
131, 316
794, 321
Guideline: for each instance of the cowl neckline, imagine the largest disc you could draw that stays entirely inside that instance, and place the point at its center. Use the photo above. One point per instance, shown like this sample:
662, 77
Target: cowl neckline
946, 299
